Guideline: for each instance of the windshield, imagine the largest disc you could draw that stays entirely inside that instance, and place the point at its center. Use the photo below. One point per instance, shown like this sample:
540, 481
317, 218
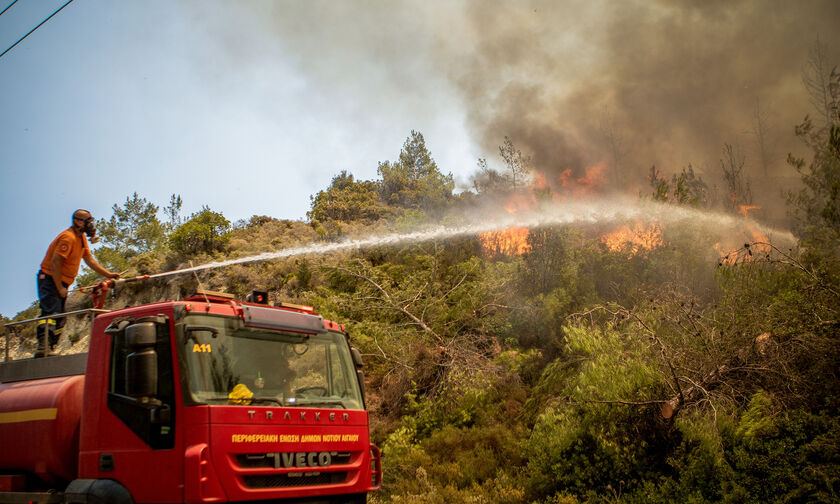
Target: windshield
228, 363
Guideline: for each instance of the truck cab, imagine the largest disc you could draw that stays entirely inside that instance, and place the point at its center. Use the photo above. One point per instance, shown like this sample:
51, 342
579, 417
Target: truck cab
213, 400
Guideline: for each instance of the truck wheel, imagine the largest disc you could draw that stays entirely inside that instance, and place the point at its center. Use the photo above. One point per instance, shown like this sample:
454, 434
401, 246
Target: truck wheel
97, 491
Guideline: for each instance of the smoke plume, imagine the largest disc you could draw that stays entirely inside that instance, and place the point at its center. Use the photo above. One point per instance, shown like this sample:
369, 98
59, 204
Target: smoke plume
634, 84
574, 84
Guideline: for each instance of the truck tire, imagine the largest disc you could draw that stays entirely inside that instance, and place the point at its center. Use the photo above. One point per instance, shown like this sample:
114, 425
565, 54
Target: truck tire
97, 491
352, 499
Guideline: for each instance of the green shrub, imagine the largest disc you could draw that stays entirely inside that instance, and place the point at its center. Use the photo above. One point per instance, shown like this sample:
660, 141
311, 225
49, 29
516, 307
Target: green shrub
204, 232
793, 457
587, 443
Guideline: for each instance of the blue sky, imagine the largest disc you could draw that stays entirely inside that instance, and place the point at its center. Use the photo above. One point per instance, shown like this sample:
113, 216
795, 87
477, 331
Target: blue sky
108, 98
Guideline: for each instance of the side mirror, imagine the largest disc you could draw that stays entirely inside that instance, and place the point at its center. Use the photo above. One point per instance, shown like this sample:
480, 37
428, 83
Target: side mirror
141, 364
357, 357
360, 376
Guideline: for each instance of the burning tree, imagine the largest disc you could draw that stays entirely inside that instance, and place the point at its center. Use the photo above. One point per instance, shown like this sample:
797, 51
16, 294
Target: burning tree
683, 189
738, 186
516, 163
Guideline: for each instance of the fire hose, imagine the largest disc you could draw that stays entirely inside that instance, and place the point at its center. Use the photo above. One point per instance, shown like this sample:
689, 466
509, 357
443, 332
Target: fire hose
99, 290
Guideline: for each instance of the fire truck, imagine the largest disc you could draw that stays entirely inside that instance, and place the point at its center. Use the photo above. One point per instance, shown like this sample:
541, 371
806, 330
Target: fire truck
207, 399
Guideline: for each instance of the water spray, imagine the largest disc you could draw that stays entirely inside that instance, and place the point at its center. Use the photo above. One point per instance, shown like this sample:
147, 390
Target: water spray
584, 212
580, 212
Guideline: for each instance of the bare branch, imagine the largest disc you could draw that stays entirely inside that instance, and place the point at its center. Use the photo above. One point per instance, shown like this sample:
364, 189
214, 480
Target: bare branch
388, 299
615, 401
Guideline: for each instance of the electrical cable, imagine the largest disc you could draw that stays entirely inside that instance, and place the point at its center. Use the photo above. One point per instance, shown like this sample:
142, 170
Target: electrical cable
9, 7
33, 29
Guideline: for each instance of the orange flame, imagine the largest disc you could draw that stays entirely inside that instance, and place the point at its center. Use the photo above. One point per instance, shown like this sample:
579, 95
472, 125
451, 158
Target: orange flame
514, 241
760, 243
635, 239
581, 186
520, 201
511, 241
540, 182
726, 257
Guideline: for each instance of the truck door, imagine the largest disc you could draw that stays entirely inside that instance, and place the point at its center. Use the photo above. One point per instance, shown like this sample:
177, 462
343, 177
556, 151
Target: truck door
138, 444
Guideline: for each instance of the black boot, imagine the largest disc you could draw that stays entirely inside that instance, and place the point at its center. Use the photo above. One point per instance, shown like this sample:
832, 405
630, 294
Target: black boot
53, 340
41, 340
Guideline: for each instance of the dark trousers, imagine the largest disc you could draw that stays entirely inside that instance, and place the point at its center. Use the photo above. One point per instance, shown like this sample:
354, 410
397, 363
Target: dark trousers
49, 330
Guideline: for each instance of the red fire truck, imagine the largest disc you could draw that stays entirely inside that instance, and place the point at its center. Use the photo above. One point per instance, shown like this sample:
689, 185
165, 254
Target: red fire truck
201, 400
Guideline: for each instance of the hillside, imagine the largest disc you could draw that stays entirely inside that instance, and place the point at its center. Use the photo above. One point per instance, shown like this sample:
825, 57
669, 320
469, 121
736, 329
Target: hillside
551, 345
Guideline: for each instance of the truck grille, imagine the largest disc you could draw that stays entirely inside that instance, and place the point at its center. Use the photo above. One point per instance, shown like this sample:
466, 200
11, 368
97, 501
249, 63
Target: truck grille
259, 460
294, 479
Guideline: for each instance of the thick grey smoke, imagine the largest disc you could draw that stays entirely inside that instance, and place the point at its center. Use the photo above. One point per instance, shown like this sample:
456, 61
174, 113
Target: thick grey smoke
624, 84
634, 84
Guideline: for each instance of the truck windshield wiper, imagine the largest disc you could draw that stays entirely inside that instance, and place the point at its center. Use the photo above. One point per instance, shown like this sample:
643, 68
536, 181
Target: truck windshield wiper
289, 403
247, 400
263, 400
322, 402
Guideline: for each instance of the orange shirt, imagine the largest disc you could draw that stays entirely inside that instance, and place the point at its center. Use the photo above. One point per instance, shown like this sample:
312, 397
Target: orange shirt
72, 248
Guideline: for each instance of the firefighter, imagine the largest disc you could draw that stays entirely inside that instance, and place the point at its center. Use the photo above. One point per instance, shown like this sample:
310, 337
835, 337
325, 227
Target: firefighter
58, 271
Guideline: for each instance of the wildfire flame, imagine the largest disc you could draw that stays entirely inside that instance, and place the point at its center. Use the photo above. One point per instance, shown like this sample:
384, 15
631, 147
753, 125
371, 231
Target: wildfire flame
514, 241
730, 255
520, 201
580, 186
511, 241
635, 239
746, 209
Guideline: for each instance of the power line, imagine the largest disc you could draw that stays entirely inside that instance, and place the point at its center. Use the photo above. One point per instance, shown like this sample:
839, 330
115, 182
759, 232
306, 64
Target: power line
7, 8
33, 29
